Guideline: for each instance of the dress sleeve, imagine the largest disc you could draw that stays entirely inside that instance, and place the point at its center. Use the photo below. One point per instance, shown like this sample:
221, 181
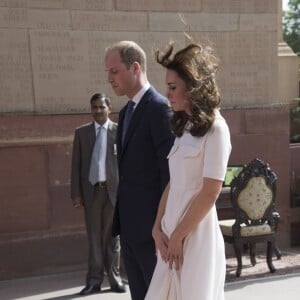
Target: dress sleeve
217, 150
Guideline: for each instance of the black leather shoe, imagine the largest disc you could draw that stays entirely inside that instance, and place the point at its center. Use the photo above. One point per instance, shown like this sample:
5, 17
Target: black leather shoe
118, 288
90, 289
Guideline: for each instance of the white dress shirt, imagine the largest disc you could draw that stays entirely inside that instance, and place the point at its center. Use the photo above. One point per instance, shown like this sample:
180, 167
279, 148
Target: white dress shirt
138, 96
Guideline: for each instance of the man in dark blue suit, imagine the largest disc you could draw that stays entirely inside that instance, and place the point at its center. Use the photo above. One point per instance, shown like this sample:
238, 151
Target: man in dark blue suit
144, 140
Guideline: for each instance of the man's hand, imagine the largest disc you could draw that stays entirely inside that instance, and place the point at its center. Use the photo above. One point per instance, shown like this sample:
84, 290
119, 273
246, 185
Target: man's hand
77, 202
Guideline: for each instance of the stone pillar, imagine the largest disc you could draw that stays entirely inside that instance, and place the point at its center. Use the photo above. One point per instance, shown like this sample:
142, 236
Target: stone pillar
288, 84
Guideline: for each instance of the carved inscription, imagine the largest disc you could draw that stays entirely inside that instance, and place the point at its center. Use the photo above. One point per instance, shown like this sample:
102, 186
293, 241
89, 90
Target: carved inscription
60, 69
49, 19
13, 3
15, 76
110, 21
13, 17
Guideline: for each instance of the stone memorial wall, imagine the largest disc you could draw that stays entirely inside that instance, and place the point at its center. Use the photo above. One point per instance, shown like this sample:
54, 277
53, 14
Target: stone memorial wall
51, 54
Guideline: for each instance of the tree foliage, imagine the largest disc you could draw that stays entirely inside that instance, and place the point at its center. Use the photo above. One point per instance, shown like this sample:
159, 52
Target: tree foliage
291, 25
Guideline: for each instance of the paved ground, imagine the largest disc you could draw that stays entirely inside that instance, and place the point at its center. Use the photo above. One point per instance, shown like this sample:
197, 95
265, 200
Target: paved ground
255, 283
276, 288
67, 285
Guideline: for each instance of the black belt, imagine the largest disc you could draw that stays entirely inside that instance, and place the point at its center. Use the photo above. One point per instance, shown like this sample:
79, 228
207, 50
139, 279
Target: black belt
100, 184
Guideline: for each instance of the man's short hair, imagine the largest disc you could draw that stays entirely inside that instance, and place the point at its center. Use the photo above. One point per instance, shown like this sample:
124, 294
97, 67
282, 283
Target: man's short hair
130, 52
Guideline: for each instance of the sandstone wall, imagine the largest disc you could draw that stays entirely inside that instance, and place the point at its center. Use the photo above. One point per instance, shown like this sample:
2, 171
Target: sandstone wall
51, 55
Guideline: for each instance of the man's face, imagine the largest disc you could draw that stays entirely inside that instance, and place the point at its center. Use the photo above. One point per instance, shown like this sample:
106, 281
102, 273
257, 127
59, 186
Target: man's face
100, 111
121, 79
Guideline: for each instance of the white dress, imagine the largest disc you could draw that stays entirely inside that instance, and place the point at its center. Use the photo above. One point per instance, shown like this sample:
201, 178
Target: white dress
202, 274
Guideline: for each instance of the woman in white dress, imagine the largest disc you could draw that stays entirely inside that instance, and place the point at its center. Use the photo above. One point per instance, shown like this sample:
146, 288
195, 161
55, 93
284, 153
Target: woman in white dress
190, 246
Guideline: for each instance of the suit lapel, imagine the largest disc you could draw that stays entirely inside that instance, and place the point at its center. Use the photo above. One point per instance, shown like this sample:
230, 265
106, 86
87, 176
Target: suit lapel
110, 138
120, 131
91, 137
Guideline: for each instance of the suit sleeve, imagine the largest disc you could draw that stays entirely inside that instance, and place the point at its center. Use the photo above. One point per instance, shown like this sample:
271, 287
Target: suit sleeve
163, 140
76, 166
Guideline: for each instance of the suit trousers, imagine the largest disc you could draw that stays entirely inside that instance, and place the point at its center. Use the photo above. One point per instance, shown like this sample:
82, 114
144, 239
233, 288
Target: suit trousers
104, 250
140, 261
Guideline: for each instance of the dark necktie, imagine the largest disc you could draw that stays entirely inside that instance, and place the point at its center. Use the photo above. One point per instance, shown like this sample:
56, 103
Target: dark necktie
127, 118
94, 167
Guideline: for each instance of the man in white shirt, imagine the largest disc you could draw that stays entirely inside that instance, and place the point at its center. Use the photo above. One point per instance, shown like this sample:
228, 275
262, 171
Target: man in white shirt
94, 183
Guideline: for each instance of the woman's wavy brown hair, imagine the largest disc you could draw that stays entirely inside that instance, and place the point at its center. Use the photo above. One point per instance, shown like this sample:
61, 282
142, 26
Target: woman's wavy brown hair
197, 67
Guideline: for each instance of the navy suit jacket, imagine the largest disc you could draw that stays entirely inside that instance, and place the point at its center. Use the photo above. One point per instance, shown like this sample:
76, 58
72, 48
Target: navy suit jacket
143, 166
